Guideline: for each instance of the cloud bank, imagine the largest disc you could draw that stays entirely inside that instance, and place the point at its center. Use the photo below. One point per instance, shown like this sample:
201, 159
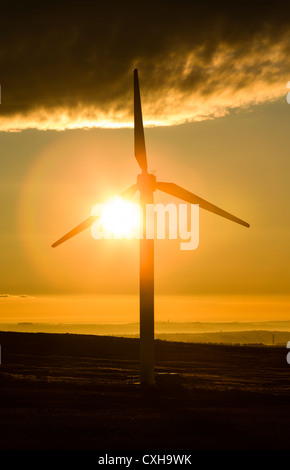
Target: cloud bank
70, 64
15, 296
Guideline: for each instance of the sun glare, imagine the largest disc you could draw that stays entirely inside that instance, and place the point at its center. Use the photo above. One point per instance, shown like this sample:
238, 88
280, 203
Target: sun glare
118, 218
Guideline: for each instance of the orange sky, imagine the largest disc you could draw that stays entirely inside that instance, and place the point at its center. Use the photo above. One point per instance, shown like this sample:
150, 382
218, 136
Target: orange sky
125, 309
51, 180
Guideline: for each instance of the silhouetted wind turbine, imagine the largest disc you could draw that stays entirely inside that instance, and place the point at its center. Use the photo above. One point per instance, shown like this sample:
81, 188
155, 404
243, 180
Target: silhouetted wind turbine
147, 184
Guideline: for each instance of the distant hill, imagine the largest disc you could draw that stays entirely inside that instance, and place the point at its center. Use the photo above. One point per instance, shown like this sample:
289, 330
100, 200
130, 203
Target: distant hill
231, 337
195, 332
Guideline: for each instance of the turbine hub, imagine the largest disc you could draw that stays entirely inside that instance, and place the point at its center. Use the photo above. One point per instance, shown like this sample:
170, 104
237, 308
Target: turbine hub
146, 181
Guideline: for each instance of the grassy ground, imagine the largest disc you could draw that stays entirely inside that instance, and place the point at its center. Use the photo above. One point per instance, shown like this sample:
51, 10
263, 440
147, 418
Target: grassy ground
81, 392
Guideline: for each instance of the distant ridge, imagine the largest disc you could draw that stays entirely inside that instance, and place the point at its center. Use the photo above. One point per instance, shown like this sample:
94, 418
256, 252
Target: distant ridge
268, 333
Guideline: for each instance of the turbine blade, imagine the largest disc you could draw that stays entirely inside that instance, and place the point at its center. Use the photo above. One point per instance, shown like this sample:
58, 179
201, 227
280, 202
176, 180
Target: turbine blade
79, 228
129, 192
139, 139
177, 191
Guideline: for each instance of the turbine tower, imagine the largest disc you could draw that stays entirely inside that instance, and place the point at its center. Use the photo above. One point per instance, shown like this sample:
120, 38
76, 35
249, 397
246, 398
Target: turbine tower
146, 185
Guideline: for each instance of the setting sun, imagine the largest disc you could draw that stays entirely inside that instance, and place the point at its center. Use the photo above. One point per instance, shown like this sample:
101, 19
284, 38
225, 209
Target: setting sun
118, 218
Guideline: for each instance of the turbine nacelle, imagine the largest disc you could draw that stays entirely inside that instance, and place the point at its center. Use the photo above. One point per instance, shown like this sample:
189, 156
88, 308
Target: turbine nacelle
146, 182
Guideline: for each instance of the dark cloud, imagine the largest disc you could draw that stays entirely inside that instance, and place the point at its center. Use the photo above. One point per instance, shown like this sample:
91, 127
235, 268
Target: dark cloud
69, 64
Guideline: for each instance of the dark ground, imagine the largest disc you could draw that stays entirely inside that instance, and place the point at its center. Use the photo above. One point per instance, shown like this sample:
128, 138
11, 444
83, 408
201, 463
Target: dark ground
74, 392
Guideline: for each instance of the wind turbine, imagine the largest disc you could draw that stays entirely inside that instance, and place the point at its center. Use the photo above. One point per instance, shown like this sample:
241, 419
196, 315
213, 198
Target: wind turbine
146, 185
